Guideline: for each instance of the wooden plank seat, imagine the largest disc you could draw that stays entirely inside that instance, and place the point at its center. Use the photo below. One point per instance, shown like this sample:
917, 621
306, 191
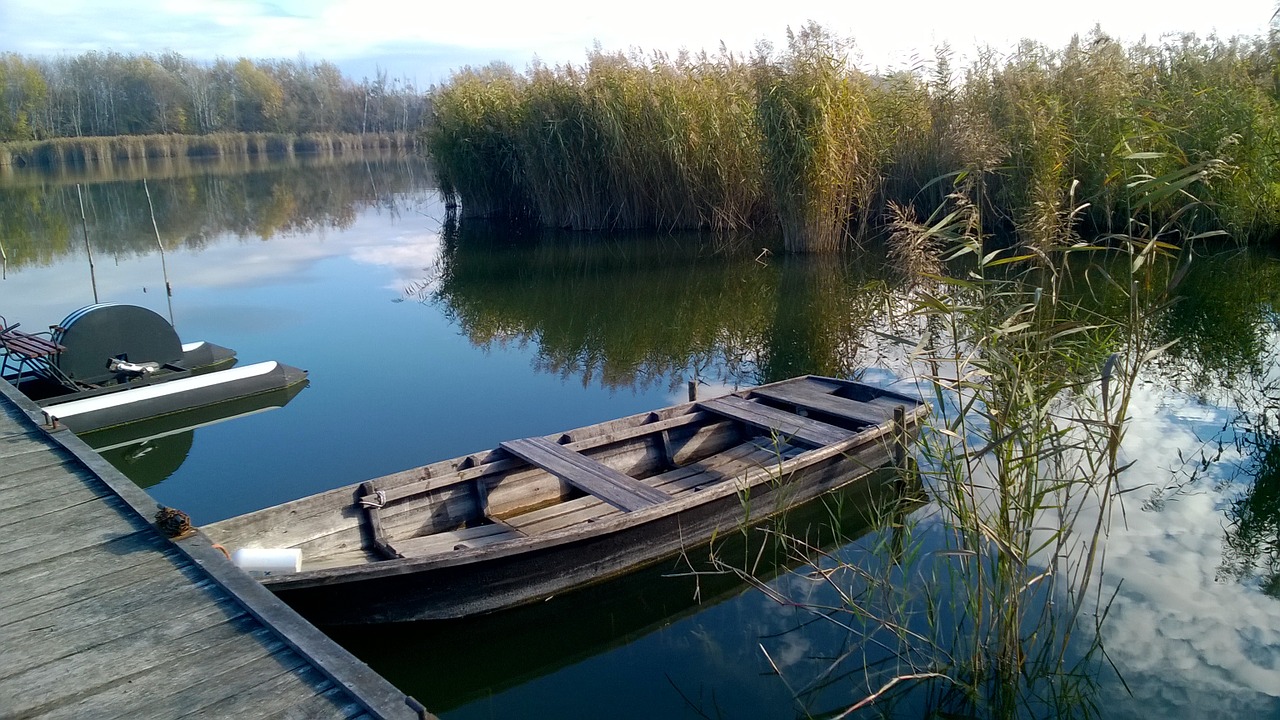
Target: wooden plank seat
753, 454
780, 422
478, 466
621, 491
816, 397
375, 501
736, 461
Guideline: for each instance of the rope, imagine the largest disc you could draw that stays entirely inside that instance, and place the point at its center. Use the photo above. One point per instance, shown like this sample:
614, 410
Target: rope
380, 500
173, 523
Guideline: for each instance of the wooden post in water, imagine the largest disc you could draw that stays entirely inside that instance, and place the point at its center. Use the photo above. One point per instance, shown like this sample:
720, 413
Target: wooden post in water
693, 390
900, 437
84, 226
901, 484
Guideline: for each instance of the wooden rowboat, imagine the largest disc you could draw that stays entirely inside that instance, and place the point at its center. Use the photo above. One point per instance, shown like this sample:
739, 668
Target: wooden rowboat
538, 516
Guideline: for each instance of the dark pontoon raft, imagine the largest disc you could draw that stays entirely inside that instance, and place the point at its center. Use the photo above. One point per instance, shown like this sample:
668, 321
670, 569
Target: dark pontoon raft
108, 364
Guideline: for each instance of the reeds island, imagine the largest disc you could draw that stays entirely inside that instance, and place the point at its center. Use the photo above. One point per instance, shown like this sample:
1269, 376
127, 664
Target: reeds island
800, 140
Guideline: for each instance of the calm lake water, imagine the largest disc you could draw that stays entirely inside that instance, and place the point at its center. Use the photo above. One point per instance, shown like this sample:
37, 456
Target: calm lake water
424, 344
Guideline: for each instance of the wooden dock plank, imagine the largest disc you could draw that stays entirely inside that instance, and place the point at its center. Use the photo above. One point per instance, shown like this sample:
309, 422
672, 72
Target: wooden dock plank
32, 503
69, 530
222, 683
14, 469
65, 635
100, 616
73, 624
318, 705
83, 570
811, 397
621, 491
251, 692
160, 691
104, 672
785, 424
16, 444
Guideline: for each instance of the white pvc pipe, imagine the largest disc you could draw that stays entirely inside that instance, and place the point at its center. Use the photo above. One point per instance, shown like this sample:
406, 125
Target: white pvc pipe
268, 561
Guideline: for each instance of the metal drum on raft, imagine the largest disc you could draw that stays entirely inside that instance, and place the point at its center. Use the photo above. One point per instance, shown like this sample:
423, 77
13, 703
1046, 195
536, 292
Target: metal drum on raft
96, 334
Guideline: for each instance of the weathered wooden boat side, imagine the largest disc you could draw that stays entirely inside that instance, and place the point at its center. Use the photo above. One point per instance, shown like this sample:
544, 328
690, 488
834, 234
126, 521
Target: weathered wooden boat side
541, 515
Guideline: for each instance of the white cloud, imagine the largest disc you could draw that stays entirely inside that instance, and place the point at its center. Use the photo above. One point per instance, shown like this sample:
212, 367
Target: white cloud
1185, 642
347, 30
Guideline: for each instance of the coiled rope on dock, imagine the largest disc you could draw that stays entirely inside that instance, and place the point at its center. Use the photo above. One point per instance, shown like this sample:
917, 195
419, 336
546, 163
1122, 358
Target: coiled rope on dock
173, 522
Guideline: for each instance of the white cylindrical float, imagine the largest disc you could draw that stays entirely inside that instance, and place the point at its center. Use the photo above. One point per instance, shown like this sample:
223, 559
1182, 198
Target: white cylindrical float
268, 561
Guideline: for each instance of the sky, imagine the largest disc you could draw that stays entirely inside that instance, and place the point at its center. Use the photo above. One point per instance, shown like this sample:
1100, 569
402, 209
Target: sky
424, 41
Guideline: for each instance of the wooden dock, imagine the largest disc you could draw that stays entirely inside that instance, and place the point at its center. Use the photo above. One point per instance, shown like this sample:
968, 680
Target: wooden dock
102, 616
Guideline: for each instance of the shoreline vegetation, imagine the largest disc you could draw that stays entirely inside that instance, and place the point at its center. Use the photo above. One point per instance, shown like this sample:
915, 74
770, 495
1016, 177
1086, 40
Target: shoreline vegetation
105, 108
107, 152
799, 140
97, 94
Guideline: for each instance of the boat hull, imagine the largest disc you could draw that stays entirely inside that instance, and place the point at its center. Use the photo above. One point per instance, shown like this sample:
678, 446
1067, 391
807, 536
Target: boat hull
537, 517
503, 580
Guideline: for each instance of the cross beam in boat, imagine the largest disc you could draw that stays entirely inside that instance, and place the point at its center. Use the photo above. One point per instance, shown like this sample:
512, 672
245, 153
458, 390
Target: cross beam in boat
811, 397
621, 491
783, 423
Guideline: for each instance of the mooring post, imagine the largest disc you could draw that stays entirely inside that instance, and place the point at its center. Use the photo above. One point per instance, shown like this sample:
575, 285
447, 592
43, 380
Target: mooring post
693, 390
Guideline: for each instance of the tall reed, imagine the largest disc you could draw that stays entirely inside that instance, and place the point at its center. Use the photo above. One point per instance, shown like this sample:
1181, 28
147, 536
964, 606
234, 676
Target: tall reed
801, 141
993, 607
813, 115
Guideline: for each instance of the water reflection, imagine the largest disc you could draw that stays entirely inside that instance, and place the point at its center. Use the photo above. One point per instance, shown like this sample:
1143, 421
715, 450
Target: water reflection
1224, 322
638, 311
1252, 543
150, 451
539, 640
197, 205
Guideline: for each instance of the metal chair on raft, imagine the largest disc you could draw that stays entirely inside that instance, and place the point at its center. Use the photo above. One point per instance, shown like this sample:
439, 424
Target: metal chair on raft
29, 354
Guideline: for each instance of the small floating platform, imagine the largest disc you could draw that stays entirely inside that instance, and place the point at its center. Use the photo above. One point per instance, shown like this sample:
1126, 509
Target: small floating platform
150, 401
107, 364
538, 516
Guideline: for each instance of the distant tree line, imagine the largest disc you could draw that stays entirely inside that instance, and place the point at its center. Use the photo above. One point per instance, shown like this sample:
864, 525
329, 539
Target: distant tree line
99, 94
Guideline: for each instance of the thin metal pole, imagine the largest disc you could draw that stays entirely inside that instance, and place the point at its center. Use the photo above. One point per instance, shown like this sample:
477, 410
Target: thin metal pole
164, 266
84, 226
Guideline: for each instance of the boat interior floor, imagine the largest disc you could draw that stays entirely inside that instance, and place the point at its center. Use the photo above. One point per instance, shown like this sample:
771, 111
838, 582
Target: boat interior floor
540, 486
737, 461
